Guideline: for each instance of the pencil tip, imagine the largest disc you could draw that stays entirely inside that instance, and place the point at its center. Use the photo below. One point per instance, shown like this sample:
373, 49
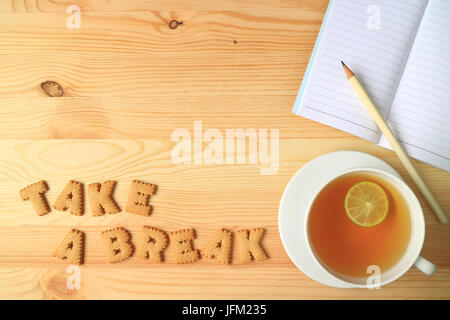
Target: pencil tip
348, 72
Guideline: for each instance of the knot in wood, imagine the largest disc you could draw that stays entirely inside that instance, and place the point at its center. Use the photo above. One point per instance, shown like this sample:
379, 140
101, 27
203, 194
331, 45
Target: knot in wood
173, 24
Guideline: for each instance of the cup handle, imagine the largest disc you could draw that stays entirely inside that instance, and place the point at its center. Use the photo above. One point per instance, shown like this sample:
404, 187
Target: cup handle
425, 266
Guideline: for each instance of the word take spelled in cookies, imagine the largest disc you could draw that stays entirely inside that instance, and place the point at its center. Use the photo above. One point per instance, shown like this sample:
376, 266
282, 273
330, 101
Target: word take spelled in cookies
152, 242
100, 198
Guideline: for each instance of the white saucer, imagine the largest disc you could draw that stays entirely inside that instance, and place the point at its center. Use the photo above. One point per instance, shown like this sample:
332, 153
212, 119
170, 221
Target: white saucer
296, 197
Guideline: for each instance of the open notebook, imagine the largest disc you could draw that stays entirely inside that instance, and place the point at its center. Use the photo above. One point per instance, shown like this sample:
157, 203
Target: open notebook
404, 66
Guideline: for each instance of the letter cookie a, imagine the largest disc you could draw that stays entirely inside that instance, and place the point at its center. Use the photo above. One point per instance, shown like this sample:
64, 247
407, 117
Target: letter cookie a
72, 198
219, 247
71, 248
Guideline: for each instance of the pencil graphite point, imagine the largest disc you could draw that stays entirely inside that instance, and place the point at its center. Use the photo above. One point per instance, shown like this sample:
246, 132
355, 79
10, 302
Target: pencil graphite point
348, 72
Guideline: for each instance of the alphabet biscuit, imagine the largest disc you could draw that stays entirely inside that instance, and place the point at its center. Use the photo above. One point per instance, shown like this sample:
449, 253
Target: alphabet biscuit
117, 243
72, 198
249, 245
71, 248
35, 193
139, 197
100, 198
152, 243
219, 247
182, 246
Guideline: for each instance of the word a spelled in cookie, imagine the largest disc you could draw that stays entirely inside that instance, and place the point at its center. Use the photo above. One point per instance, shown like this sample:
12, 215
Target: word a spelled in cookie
219, 247
72, 198
117, 243
152, 244
182, 246
71, 248
35, 193
139, 197
249, 245
101, 199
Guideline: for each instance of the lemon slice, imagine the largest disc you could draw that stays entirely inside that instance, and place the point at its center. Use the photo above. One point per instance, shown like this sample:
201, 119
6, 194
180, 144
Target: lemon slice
366, 204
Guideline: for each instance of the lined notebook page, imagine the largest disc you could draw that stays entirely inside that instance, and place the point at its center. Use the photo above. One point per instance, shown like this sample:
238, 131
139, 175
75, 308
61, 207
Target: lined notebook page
377, 56
420, 113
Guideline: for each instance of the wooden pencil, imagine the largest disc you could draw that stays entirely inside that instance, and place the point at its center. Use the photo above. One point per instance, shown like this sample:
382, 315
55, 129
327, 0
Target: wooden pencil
396, 146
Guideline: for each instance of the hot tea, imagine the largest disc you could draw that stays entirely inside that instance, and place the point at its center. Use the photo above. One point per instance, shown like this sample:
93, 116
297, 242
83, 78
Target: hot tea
347, 248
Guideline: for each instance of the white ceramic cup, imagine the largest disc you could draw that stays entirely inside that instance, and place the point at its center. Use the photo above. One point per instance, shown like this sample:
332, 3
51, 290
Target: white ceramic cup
410, 257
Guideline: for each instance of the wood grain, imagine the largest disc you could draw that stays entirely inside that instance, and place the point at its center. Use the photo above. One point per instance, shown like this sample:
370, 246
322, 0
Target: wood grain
31, 6
27, 240
129, 82
202, 33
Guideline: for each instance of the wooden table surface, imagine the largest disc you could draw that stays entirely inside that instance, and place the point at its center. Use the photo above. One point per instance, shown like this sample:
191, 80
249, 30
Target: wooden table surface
129, 82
